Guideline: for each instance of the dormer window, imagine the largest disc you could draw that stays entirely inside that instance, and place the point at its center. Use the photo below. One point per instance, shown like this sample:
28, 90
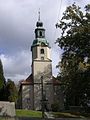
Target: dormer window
42, 51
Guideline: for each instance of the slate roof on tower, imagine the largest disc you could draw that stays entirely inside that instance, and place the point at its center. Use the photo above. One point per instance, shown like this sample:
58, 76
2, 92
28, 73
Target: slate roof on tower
40, 42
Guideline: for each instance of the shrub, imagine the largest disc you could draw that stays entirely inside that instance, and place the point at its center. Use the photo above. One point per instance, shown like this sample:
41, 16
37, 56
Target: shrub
55, 107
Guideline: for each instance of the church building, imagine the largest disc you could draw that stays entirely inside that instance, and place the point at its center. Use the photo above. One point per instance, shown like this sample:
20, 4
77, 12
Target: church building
41, 66
31, 91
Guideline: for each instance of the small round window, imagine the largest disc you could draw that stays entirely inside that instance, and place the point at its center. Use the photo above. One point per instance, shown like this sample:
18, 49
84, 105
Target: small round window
42, 51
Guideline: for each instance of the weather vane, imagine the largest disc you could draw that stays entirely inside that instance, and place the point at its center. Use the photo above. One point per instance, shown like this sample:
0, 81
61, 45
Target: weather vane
39, 15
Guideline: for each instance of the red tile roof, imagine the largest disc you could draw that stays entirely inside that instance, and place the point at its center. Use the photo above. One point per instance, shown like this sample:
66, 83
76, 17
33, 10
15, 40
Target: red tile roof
28, 81
55, 81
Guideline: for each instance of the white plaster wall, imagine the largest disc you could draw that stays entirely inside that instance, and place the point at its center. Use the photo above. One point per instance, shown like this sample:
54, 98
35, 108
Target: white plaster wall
34, 52
37, 55
42, 68
27, 93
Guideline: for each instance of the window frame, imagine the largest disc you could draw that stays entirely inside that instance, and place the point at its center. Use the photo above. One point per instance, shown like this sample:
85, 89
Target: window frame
42, 51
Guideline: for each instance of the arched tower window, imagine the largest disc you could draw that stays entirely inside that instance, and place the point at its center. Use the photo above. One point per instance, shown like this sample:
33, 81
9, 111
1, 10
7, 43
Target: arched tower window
42, 51
40, 33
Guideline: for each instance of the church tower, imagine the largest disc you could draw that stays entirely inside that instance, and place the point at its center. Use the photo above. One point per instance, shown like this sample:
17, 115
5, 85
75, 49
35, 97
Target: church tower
41, 66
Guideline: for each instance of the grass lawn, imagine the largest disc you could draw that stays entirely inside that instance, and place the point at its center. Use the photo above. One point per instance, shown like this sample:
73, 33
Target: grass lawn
32, 113
70, 115
38, 114
64, 115
28, 113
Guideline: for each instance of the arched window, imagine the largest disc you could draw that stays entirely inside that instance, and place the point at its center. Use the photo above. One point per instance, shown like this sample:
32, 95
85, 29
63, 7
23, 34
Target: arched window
40, 34
42, 51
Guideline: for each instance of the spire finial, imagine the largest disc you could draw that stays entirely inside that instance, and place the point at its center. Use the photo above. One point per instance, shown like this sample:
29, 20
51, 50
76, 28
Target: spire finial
39, 15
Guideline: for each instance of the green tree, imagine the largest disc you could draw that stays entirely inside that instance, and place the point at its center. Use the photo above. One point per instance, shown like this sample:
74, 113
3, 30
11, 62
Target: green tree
75, 43
2, 82
2, 78
11, 91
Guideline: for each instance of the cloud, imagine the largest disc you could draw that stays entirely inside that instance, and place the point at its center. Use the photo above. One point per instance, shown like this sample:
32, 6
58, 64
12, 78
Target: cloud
56, 56
17, 65
17, 24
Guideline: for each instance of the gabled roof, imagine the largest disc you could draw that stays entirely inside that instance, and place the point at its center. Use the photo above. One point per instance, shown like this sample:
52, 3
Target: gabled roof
28, 81
56, 82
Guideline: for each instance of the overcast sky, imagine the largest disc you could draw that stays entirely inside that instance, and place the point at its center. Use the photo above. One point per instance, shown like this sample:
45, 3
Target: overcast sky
17, 24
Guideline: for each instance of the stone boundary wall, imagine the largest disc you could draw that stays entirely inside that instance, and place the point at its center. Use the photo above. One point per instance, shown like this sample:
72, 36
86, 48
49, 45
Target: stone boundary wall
7, 109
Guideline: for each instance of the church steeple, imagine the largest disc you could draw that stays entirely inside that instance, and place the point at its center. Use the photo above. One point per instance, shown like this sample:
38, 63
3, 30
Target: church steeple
39, 33
39, 23
41, 66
